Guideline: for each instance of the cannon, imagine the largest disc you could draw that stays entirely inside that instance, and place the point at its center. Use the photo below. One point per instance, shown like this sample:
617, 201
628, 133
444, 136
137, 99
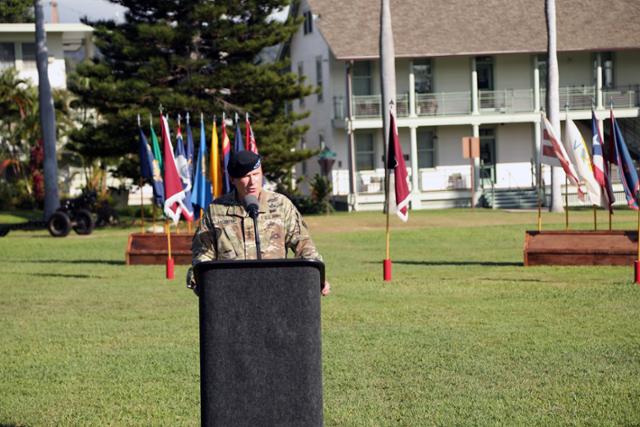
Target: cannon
73, 214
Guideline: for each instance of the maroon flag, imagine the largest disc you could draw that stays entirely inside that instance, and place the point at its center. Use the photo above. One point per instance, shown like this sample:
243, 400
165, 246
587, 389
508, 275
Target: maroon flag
395, 161
250, 138
174, 202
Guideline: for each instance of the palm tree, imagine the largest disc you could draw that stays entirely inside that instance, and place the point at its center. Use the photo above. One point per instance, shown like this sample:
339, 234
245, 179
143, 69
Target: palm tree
47, 117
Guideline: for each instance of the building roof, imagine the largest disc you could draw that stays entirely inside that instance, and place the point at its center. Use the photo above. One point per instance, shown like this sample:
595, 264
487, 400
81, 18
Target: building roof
424, 28
49, 28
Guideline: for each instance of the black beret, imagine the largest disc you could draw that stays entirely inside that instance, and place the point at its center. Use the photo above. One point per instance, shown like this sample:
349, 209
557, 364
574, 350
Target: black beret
242, 163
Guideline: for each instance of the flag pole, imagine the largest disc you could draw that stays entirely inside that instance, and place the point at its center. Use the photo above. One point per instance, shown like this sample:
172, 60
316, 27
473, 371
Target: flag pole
566, 202
170, 265
636, 264
388, 91
153, 217
140, 182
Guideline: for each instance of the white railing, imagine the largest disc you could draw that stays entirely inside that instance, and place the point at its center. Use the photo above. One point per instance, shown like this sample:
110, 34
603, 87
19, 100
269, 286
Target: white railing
574, 97
502, 101
443, 103
506, 100
622, 97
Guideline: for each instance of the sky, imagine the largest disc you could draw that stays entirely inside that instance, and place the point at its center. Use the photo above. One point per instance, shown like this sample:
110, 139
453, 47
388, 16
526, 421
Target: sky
71, 11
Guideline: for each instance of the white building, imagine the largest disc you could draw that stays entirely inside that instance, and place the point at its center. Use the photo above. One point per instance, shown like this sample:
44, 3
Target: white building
67, 45
462, 69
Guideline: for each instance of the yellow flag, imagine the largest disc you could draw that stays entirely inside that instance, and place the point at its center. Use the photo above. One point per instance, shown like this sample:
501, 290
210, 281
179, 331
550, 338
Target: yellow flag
216, 171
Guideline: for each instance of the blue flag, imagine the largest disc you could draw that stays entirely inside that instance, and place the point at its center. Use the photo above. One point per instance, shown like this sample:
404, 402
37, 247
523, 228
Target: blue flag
201, 195
190, 150
150, 170
146, 168
238, 143
626, 168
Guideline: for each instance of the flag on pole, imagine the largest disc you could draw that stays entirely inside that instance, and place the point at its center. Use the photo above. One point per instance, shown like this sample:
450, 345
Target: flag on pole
157, 154
185, 175
238, 143
215, 168
150, 170
226, 154
600, 167
252, 145
190, 150
554, 154
174, 202
626, 168
201, 195
397, 165
146, 168
579, 153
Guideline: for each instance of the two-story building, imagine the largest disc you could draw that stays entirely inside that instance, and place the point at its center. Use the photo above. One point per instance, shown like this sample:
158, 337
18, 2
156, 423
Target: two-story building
67, 45
463, 68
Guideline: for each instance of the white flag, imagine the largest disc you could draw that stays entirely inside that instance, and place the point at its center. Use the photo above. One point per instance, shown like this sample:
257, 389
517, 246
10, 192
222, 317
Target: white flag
579, 153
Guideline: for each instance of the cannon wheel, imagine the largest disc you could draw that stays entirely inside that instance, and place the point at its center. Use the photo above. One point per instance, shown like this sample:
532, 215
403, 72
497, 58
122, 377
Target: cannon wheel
83, 222
59, 225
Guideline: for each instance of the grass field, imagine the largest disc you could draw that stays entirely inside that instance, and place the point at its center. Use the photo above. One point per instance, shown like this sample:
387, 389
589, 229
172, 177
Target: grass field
464, 335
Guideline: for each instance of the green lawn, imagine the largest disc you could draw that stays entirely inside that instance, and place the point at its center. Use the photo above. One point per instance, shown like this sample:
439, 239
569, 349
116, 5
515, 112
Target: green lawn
464, 335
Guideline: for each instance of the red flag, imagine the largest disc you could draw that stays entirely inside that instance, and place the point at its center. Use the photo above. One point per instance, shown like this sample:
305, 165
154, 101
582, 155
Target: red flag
250, 139
395, 161
173, 191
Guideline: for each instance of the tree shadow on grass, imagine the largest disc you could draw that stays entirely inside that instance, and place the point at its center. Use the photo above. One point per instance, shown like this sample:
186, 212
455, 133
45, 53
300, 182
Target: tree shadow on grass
70, 261
12, 425
60, 275
460, 263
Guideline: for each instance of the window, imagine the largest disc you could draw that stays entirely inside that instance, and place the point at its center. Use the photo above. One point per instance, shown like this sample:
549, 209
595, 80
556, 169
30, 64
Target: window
426, 148
308, 22
365, 153
487, 156
541, 63
301, 78
321, 143
484, 68
319, 77
29, 55
607, 70
423, 75
362, 79
7, 55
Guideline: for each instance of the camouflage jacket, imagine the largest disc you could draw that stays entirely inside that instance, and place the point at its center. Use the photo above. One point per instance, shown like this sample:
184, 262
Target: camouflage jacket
226, 231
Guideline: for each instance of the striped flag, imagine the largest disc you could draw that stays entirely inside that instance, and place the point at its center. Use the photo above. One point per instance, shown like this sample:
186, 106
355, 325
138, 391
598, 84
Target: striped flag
626, 168
252, 145
215, 169
554, 154
600, 167
150, 169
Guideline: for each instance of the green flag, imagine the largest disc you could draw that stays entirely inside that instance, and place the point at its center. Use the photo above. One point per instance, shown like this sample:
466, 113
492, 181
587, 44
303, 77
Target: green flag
156, 150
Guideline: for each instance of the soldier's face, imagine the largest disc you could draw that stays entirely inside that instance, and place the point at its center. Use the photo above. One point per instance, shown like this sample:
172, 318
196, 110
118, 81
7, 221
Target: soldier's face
251, 183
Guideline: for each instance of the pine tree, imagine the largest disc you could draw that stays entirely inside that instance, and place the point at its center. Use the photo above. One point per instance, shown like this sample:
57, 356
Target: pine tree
16, 11
189, 56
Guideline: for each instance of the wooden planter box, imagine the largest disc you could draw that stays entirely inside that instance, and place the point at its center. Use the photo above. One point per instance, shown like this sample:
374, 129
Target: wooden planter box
616, 247
151, 248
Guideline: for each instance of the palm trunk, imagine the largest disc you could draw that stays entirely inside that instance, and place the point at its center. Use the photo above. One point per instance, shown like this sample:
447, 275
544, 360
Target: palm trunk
47, 117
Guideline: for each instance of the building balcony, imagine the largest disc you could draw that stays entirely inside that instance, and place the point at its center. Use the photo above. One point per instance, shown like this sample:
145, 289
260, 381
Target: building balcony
504, 101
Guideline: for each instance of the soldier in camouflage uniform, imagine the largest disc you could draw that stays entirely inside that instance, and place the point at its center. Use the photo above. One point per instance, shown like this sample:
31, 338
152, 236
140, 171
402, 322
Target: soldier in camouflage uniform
226, 231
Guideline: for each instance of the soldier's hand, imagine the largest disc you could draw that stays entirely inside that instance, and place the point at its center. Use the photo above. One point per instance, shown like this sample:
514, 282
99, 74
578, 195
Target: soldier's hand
326, 289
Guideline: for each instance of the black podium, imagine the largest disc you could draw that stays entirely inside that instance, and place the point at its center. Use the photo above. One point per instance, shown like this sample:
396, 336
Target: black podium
260, 344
